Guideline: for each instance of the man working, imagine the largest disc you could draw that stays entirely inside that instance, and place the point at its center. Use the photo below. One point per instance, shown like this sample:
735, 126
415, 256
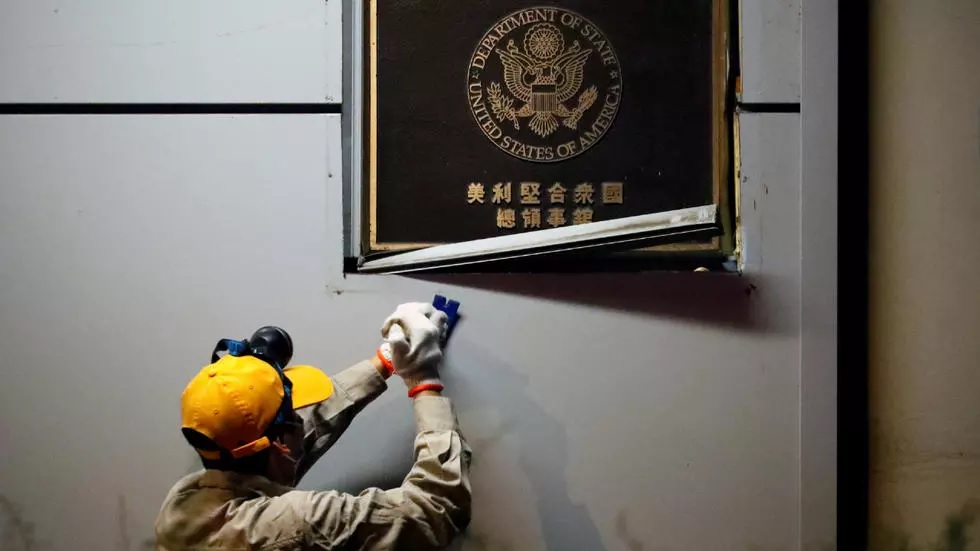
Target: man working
259, 428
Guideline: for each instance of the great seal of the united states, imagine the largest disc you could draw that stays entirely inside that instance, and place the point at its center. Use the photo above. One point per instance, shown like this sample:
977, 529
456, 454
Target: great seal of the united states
544, 84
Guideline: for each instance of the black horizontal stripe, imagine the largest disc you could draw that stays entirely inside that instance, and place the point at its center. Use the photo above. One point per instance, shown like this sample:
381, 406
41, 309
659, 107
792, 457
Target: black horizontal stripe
769, 107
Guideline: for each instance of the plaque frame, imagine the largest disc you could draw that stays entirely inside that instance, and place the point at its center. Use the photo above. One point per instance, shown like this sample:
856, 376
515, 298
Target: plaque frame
361, 213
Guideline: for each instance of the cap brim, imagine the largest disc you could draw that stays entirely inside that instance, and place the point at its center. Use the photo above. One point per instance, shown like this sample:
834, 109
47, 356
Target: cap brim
310, 385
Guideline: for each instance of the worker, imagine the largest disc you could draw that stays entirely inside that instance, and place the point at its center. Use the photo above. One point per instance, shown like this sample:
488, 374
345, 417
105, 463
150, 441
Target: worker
258, 428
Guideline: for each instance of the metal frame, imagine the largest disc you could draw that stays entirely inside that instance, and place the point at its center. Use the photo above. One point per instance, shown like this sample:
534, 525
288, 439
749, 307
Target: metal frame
360, 125
631, 232
352, 125
818, 288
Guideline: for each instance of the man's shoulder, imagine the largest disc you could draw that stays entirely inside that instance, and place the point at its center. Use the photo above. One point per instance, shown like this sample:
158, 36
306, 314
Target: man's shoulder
209, 508
215, 507
187, 482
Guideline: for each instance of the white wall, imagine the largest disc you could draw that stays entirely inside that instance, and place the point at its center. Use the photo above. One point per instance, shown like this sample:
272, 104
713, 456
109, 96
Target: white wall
132, 51
657, 411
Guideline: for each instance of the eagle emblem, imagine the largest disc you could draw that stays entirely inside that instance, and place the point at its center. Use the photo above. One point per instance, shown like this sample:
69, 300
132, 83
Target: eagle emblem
542, 76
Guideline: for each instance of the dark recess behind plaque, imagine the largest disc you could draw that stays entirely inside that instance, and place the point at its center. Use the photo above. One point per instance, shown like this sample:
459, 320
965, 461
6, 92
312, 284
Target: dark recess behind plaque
430, 147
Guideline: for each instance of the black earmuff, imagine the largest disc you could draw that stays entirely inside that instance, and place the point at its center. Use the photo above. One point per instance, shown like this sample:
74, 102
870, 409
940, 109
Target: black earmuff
272, 344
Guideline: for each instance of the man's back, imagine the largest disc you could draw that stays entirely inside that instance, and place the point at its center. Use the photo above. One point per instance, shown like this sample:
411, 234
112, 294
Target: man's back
224, 510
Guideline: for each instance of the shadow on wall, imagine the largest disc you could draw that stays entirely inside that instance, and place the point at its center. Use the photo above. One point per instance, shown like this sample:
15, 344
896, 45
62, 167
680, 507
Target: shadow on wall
16, 532
542, 442
956, 534
726, 300
123, 541
543, 457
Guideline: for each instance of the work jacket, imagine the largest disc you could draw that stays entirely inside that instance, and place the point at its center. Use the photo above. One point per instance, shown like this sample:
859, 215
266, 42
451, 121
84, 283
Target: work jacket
222, 510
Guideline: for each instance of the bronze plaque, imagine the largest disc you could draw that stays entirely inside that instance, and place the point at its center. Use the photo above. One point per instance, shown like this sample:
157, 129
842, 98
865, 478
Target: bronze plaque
489, 118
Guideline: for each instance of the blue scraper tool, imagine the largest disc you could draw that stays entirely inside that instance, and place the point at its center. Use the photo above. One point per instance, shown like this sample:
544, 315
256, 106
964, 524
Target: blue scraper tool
451, 309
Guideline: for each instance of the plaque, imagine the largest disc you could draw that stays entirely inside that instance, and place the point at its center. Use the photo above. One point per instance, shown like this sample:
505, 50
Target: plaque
487, 119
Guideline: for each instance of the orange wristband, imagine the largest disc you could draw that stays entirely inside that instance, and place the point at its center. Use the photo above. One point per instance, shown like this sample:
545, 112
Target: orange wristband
415, 390
386, 362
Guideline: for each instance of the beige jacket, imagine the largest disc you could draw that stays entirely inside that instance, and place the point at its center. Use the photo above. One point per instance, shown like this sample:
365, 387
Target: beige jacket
221, 510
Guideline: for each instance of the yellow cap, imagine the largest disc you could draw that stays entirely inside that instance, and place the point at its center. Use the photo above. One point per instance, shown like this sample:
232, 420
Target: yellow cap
234, 401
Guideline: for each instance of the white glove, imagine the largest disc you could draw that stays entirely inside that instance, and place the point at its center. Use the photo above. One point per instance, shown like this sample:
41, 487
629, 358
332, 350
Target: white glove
412, 345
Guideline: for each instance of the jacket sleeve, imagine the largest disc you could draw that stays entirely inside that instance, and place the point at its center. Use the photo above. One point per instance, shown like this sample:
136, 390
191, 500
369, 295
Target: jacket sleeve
324, 423
427, 511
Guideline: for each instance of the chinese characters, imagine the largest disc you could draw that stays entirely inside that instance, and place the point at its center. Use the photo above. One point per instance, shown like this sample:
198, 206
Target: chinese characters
536, 205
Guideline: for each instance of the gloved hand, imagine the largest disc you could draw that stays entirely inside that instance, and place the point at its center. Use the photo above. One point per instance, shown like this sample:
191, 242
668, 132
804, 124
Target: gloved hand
412, 345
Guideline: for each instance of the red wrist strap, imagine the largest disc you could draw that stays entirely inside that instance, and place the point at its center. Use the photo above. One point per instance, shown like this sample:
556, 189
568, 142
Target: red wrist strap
415, 390
387, 363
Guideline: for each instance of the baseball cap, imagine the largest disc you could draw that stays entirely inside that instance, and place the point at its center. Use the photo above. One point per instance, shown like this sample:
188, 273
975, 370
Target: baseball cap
235, 400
